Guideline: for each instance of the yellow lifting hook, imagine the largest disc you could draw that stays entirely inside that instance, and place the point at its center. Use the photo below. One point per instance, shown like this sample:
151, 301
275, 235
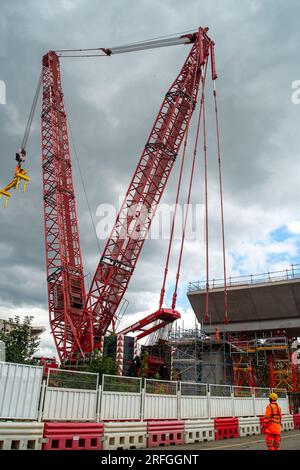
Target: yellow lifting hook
20, 175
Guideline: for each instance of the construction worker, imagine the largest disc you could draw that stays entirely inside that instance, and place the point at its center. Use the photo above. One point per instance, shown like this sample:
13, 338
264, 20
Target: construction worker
273, 423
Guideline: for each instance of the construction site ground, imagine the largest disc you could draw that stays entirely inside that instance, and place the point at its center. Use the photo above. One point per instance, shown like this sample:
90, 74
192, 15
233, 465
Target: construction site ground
289, 441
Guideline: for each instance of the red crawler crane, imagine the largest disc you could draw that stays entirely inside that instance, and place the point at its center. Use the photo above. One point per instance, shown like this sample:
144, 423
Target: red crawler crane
79, 321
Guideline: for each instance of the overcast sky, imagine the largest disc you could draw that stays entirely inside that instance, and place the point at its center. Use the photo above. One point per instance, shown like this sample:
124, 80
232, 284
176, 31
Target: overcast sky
112, 103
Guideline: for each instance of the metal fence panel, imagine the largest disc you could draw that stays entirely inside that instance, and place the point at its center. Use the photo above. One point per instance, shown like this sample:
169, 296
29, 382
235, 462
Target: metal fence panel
61, 378
160, 399
193, 389
260, 406
20, 387
193, 407
242, 392
120, 405
115, 383
160, 406
262, 392
71, 396
220, 407
121, 398
220, 390
244, 407
160, 387
281, 392
62, 404
284, 404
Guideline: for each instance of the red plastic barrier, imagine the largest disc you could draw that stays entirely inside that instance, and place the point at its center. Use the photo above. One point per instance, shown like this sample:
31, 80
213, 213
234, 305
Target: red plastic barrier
73, 436
226, 428
262, 424
164, 433
296, 421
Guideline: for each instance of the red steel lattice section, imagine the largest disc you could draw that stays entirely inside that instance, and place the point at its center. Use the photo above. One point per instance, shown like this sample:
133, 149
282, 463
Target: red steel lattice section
79, 322
66, 291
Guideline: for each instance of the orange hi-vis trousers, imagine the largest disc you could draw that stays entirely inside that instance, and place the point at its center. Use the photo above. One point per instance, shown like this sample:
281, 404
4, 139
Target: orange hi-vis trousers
272, 441
273, 426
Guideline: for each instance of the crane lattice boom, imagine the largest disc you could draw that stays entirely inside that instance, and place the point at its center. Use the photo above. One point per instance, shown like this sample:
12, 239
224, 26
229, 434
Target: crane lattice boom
79, 321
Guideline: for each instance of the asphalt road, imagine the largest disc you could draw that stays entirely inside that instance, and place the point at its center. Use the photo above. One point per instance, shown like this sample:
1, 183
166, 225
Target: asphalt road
290, 440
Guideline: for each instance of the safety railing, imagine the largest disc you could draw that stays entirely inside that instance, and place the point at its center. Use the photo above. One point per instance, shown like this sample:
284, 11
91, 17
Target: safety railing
292, 272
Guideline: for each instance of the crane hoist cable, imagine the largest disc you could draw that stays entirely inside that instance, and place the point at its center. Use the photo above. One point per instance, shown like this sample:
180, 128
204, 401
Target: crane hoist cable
201, 111
226, 320
163, 289
206, 315
31, 114
162, 294
162, 332
83, 184
21, 175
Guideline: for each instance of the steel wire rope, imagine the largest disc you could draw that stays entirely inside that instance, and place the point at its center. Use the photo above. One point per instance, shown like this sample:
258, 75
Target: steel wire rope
162, 295
201, 108
83, 184
31, 114
206, 316
226, 320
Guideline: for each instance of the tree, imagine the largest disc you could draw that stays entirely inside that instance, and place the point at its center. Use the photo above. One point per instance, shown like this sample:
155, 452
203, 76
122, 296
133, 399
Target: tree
102, 364
19, 345
144, 364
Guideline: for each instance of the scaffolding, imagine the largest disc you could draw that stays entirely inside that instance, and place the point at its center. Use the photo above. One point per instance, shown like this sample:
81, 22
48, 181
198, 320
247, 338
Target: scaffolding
260, 360
197, 357
268, 357
186, 358
264, 360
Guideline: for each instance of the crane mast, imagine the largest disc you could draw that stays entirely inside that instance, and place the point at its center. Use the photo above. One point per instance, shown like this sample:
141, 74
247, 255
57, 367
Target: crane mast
79, 321
66, 292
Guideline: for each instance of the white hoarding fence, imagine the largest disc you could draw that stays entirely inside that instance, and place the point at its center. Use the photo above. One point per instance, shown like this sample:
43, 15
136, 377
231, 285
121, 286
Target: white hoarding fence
283, 401
70, 396
193, 402
75, 396
20, 387
243, 401
261, 400
120, 398
160, 399
221, 401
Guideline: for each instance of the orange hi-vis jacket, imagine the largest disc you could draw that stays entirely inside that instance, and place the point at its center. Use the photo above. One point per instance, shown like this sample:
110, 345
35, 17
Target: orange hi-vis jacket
273, 418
